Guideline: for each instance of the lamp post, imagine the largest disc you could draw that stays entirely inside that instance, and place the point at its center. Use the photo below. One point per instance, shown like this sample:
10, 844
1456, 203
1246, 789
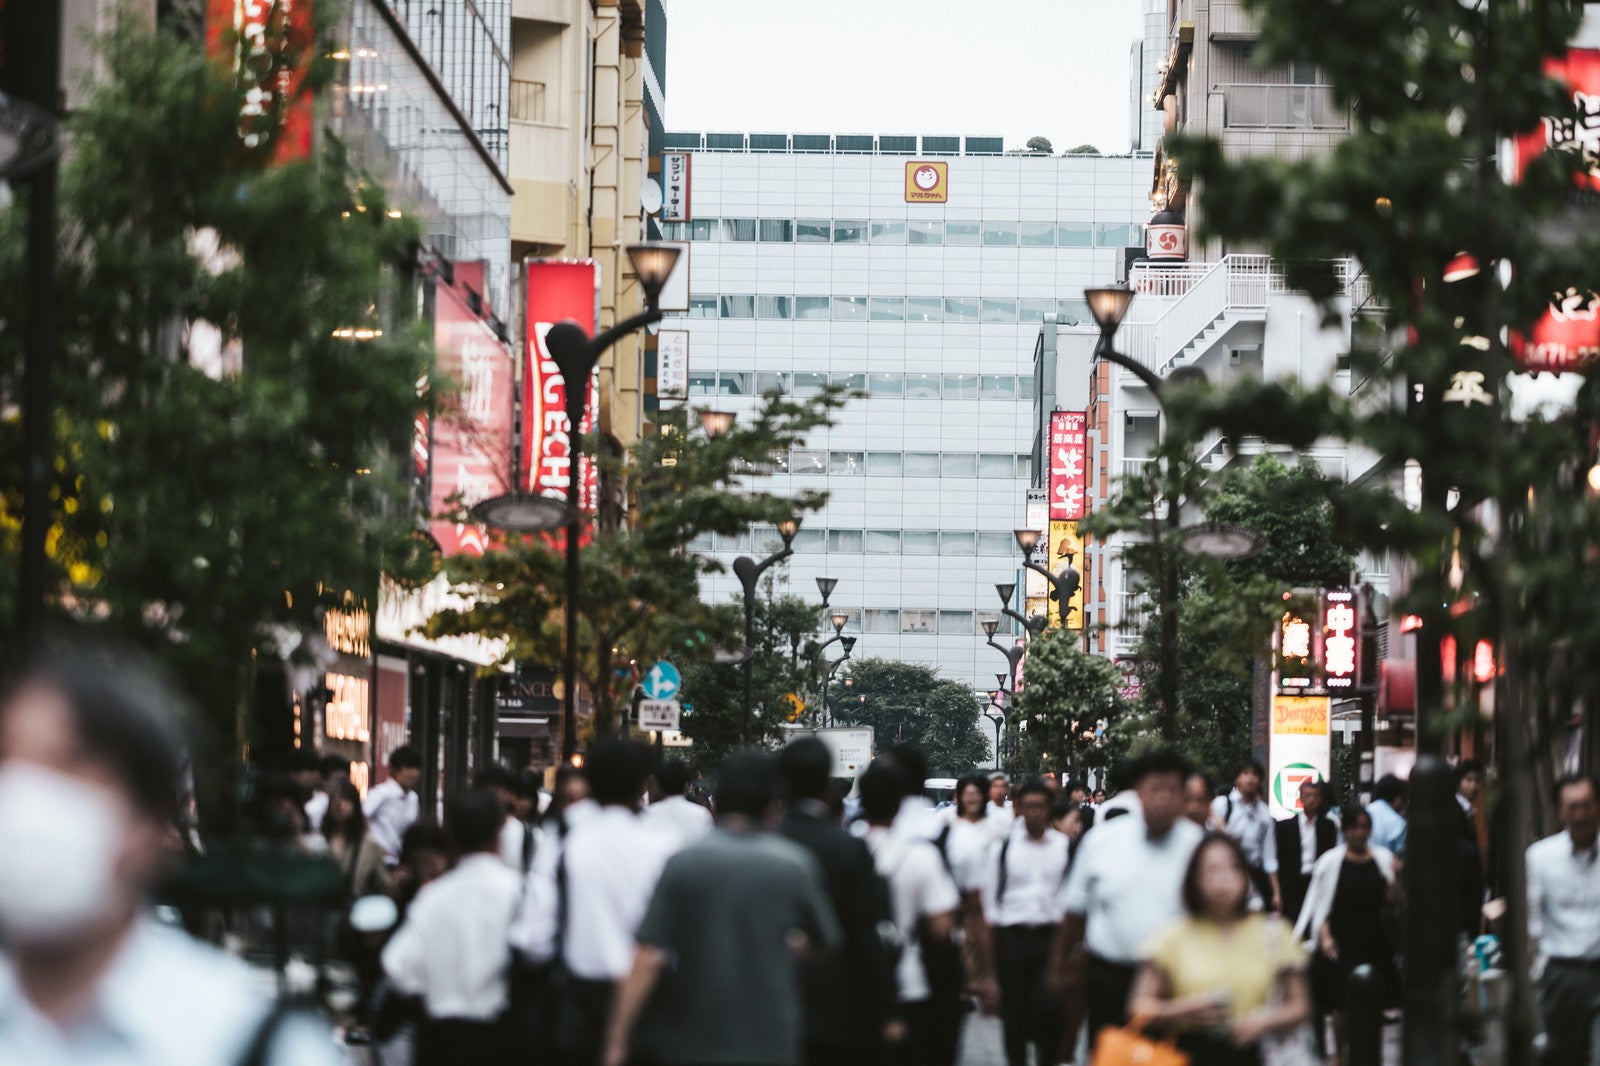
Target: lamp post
849, 645
839, 618
1013, 654
1063, 586
998, 719
575, 354
826, 585
1006, 591
749, 573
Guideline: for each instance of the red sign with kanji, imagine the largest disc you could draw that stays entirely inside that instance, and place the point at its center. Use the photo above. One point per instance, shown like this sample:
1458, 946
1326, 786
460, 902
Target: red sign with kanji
1067, 460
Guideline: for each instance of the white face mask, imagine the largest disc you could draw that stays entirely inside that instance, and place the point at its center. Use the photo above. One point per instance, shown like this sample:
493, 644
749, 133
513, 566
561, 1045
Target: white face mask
59, 843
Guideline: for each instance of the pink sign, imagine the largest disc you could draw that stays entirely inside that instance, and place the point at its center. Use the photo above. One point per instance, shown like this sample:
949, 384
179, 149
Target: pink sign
1068, 448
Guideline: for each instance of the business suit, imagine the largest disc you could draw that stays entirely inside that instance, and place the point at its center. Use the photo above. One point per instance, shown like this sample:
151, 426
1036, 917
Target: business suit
1469, 904
849, 994
1292, 882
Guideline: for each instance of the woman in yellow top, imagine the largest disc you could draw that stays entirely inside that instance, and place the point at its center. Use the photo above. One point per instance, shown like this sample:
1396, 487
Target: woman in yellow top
1222, 979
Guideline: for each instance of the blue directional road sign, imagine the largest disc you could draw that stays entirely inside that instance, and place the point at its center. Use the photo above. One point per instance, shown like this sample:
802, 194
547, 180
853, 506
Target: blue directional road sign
662, 682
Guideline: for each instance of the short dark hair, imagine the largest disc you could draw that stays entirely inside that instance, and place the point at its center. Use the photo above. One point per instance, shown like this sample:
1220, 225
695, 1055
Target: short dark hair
355, 828
674, 775
1253, 765
1124, 773
912, 763
302, 760
422, 836
881, 793
806, 766
1467, 766
529, 782
618, 770
1566, 781
125, 714
405, 757
473, 819
1160, 761
1034, 786
746, 786
333, 764
977, 781
492, 777
1075, 784
1353, 815
1389, 788
1193, 901
1205, 778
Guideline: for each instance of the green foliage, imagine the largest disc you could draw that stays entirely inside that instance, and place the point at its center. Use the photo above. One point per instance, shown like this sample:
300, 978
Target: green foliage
1066, 691
638, 589
191, 511
1040, 144
910, 703
1082, 149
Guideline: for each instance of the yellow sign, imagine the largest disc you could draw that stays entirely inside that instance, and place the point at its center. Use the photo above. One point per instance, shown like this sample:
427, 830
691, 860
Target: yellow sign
1300, 716
793, 706
1038, 606
927, 183
1066, 549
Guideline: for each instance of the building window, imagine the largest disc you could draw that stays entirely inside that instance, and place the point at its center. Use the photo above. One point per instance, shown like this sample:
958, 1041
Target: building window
980, 617
887, 464
1073, 313
925, 233
847, 464
1114, 235
888, 233
921, 542
809, 383
883, 542
958, 544
1000, 544
1002, 234
999, 312
1038, 234
849, 231
924, 309
922, 386
959, 464
739, 229
963, 233
922, 464
811, 308
769, 381
852, 382
674, 231
960, 309
702, 307
810, 541
808, 461
702, 542
774, 307
919, 621
778, 462
1074, 235
885, 384
961, 386
1034, 310
777, 229
703, 229
996, 464
813, 231
1024, 387
882, 620
956, 622
1025, 466
849, 308
844, 542
997, 386
887, 309
703, 384
738, 307
735, 383
733, 542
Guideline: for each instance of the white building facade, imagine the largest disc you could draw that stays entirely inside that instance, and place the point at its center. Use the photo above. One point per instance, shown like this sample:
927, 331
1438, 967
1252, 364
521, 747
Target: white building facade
810, 262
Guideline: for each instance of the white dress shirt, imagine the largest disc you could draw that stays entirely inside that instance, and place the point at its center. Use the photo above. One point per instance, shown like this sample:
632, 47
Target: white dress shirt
513, 842
1308, 843
390, 811
316, 807
1388, 826
918, 817
1564, 898
679, 815
165, 1000
1035, 871
919, 887
965, 849
611, 861
1127, 885
449, 951
1252, 825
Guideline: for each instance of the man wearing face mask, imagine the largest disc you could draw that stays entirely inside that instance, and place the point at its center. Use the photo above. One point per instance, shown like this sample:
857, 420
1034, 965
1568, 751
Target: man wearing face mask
90, 761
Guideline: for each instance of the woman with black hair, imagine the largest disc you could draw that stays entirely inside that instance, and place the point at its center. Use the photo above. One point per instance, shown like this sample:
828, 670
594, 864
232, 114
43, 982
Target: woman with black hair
359, 856
1222, 978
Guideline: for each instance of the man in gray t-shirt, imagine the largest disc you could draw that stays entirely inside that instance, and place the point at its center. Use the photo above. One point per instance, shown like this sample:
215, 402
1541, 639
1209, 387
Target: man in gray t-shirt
719, 941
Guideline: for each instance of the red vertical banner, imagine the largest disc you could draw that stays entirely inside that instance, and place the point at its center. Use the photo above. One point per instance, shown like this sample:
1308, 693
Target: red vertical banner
558, 290
268, 45
1068, 450
472, 431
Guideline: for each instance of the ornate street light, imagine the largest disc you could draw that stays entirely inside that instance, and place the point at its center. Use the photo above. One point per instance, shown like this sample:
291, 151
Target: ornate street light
749, 573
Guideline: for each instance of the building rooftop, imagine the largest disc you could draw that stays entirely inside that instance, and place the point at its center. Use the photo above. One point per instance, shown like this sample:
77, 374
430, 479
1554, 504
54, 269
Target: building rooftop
835, 143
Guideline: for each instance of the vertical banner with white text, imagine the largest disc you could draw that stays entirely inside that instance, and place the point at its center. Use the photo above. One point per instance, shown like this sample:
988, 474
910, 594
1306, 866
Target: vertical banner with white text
1068, 445
558, 290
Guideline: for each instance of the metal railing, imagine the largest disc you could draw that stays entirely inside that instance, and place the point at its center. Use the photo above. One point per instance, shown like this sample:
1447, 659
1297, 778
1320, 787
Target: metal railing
527, 100
1135, 610
1282, 107
1132, 467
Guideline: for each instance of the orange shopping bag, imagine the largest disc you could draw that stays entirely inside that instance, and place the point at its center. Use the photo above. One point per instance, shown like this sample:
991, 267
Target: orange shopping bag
1130, 1047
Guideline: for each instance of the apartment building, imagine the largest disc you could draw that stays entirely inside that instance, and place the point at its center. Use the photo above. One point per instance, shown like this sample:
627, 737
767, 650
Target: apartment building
915, 270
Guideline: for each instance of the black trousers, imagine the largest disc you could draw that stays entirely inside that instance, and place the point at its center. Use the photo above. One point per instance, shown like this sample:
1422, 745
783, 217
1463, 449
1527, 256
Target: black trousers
450, 1041
1569, 999
1029, 1012
1106, 994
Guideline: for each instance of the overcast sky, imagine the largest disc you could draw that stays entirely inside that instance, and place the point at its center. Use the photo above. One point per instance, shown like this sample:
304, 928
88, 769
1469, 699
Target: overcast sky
1014, 68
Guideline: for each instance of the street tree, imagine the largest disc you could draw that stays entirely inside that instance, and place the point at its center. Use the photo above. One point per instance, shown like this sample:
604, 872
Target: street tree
638, 589
1067, 691
910, 703
208, 502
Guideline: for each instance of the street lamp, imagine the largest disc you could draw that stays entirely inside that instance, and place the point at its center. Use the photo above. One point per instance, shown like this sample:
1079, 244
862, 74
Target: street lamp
998, 719
849, 644
1063, 586
1006, 591
826, 585
716, 423
749, 573
576, 354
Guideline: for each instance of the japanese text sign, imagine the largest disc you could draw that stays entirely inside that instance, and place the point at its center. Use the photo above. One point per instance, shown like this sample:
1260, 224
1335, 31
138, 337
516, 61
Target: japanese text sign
1068, 444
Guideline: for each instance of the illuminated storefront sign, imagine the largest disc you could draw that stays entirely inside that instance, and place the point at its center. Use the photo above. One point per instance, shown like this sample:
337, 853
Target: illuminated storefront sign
1340, 643
1300, 749
558, 290
1317, 645
1068, 438
267, 44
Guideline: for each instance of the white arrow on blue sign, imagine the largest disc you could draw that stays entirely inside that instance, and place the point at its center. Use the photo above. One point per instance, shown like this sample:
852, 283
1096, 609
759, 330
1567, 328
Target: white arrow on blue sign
662, 682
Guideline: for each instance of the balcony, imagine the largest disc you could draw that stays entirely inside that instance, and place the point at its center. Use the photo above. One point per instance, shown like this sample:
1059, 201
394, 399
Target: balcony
528, 101
1282, 107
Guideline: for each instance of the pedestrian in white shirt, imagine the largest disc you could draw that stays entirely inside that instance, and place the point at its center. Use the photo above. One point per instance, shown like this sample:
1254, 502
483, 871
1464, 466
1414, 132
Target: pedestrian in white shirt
514, 845
451, 950
1564, 920
585, 904
1022, 886
391, 805
1244, 815
1126, 883
923, 899
671, 810
91, 767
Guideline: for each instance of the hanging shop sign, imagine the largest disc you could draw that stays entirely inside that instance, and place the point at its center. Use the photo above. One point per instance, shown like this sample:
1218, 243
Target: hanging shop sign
267, 44
672, 364
1068, 441
675, 171
558, 290
1300, 749
1066, 549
